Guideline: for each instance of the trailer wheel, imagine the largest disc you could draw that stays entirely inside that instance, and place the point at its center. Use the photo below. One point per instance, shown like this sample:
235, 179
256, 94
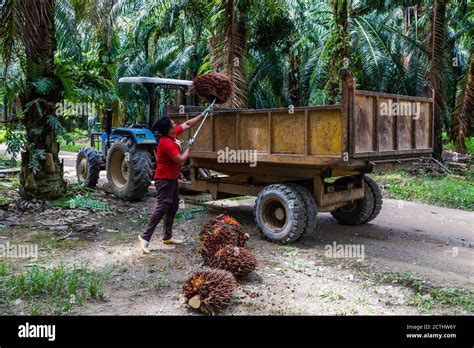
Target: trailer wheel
88, 166
362, 210
280, 213
129, 169
377, 194
310, 207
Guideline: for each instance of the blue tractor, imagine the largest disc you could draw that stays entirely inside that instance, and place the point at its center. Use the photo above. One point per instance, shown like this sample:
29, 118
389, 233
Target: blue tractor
127, 154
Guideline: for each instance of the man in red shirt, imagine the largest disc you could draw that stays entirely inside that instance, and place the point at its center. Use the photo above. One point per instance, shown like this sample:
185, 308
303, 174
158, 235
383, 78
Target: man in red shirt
169, 159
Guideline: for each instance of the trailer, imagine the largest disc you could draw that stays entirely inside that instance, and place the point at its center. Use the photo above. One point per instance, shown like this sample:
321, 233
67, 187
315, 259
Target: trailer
308, 159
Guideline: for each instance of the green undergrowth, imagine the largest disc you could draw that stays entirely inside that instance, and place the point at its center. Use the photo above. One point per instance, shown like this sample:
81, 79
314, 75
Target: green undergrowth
449, 191
48, 291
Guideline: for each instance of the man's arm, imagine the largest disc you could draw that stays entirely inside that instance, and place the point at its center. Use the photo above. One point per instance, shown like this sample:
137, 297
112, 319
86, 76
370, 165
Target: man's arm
181, 158
192, 122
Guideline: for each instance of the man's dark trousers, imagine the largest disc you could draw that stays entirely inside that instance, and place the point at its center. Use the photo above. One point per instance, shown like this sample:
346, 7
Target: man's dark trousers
167, 193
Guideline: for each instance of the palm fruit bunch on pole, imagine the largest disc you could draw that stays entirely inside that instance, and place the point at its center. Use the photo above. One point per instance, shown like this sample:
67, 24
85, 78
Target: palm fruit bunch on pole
209, 290
213, 86
230, 223
239, 261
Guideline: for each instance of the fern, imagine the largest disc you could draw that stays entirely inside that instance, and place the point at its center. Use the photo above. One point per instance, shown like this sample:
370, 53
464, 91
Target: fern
44, 85
54, 123
36, 156
189, 213
16, 139
81, 202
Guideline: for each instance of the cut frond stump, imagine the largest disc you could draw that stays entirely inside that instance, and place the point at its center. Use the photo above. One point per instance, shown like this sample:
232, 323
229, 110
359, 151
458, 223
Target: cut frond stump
209, 290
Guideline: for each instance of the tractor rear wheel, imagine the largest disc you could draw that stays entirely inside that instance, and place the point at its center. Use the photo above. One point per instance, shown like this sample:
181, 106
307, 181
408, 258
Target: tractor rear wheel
280, 213
88, 166
129, 169
362, 210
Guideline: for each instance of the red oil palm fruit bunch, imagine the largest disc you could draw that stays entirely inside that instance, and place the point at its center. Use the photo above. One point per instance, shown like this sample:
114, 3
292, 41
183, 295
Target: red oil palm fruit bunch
208, 226
213, 86
218, 238
239, 261
230, 223
209, 290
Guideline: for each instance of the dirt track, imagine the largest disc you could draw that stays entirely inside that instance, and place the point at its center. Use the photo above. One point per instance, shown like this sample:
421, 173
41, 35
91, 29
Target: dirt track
433, 243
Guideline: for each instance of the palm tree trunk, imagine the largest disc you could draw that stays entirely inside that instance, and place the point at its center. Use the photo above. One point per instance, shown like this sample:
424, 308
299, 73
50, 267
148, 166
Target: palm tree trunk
294, 90
41, 173
340, 38
436, 45
229, 48
461, 119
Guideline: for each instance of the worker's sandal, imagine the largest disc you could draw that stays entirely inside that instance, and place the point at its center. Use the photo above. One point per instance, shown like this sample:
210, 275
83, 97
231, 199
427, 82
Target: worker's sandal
172, 241
144, 245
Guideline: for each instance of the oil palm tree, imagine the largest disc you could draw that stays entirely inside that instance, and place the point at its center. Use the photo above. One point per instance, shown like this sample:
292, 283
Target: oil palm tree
27, 32
229, 45
463, 114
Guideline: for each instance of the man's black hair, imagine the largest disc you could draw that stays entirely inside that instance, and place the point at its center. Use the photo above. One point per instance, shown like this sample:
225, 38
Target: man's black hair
162, 125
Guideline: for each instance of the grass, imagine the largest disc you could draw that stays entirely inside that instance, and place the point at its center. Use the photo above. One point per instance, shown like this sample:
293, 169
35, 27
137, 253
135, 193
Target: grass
239, 198
47, 241
332, 295
77, 140
445, 191
426, 296
161, 284
3, 133
52, 291
141, 220
288, 251
469, 144
72, 147
6, 162
13, 183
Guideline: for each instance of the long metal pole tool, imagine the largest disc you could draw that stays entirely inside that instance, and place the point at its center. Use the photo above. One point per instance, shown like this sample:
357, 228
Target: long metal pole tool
206, 113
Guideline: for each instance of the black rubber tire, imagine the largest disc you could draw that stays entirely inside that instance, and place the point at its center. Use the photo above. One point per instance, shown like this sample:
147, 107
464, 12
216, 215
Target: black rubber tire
134, 184
91, 177
293, 204
377, 194
310, 208
365, 209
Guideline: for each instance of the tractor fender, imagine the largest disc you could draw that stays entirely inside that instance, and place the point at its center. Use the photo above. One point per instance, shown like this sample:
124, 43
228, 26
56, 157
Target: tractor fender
140, 136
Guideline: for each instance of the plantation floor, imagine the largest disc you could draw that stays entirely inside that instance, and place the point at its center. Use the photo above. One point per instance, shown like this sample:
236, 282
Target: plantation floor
434, 245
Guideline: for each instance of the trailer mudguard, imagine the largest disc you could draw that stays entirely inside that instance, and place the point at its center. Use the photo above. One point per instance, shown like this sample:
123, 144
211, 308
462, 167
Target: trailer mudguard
139, 135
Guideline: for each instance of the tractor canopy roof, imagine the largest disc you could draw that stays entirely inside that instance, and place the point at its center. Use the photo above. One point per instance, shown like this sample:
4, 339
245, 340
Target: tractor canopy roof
170, 83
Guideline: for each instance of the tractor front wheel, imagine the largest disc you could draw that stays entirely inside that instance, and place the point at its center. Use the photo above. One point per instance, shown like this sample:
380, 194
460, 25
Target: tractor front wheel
129, 169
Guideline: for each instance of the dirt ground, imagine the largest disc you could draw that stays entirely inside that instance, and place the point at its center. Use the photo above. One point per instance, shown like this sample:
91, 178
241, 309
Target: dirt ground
432, 243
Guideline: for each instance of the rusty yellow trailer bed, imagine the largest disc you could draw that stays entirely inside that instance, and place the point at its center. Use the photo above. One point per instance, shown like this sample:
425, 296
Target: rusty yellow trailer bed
297, 149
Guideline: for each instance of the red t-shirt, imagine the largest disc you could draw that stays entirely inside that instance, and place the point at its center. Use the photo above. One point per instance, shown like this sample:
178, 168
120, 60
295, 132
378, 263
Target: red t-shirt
166, 168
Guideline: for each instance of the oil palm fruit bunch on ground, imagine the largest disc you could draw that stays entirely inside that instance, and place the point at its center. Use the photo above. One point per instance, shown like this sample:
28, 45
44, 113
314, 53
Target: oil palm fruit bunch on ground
239, 261
217, 239
209, 290
230, 223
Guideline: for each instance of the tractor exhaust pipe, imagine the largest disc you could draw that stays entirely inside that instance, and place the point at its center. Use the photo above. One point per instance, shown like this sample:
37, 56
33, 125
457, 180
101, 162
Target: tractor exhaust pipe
108, 125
